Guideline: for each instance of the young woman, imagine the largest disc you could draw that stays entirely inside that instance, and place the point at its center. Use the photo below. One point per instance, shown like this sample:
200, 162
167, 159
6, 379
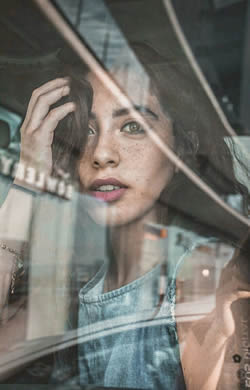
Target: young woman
134, 184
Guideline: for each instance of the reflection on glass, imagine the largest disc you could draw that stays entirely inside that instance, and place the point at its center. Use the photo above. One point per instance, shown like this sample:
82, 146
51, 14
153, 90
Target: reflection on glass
138, 279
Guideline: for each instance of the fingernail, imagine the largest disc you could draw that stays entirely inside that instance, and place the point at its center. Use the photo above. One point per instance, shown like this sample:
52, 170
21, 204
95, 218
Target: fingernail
65, 90
73, 106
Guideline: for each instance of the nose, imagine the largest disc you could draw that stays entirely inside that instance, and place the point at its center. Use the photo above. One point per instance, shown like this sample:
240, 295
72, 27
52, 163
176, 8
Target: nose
106, 153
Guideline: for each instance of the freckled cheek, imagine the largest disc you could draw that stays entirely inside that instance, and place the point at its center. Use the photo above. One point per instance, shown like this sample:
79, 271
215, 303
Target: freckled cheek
135, 152
132, 161
129, 151
134, 158
148, 170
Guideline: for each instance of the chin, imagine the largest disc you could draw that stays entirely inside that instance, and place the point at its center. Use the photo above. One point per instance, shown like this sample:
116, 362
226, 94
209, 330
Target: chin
106, 215
103, 217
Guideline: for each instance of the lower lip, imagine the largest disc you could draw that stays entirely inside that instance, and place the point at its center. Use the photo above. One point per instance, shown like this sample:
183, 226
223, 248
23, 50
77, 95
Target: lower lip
109, 196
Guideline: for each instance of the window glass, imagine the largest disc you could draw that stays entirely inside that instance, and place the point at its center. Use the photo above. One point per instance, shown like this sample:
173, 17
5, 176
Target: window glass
124, 189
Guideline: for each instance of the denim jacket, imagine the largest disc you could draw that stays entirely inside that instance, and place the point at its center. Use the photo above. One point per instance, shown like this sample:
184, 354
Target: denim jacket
127, 338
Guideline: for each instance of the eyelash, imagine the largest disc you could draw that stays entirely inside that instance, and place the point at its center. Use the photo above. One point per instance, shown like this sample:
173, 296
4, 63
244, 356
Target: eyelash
139, 130
90, 129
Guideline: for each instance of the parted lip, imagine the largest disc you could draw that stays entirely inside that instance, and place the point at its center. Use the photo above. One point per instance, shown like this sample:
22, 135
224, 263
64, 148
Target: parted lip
108, 181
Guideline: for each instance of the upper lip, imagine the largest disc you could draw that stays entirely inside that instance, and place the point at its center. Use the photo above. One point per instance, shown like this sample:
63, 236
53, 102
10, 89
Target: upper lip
108, 181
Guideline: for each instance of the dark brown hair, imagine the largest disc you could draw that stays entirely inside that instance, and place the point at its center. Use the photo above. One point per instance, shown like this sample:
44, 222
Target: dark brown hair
199, 133
70, 134
199, 142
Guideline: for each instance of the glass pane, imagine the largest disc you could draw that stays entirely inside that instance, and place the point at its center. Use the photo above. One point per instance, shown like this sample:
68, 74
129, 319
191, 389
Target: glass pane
124, 186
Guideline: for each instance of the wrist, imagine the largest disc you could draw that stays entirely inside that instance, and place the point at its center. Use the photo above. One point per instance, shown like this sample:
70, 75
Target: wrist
35, 182
217, 332
24, 177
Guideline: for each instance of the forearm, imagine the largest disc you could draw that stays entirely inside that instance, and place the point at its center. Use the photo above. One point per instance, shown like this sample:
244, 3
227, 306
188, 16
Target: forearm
203, 357
15, 217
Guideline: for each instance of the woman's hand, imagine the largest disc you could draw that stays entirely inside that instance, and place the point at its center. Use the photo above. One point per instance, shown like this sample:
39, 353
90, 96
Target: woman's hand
37, 134
206, 342
37, 130
229, 292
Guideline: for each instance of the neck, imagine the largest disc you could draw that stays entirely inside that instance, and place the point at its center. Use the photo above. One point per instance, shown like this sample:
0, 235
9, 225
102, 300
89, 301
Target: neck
130, 254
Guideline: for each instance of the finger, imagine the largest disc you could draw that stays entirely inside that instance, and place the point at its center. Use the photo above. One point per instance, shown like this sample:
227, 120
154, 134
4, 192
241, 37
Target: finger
228, 299
242, 294
53, 118
43, 104
56, 83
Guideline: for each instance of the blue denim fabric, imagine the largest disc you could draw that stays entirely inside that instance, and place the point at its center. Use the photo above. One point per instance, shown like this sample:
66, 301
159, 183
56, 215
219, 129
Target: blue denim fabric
126, 339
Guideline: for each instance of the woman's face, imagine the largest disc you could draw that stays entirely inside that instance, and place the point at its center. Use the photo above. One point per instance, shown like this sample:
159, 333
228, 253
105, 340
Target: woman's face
121, 166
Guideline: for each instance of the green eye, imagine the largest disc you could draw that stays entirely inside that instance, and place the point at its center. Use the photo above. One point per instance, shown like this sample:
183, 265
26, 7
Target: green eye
133, 128
91, 131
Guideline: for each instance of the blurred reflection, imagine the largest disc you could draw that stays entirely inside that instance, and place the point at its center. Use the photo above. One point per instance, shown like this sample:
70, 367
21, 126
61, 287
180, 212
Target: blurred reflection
98, 28
138, 266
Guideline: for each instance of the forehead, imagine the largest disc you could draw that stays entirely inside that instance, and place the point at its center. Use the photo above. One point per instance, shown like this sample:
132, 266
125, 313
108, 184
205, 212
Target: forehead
138, 94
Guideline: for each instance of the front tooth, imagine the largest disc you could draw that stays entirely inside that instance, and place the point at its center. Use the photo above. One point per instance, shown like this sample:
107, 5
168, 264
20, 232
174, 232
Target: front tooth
107, 187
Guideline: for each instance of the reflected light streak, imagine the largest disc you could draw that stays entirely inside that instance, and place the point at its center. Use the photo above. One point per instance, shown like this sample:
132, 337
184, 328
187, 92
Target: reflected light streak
75, 42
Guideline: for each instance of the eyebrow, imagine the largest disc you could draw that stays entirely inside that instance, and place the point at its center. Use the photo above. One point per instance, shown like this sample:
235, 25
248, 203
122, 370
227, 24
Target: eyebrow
126, 111
141, 109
